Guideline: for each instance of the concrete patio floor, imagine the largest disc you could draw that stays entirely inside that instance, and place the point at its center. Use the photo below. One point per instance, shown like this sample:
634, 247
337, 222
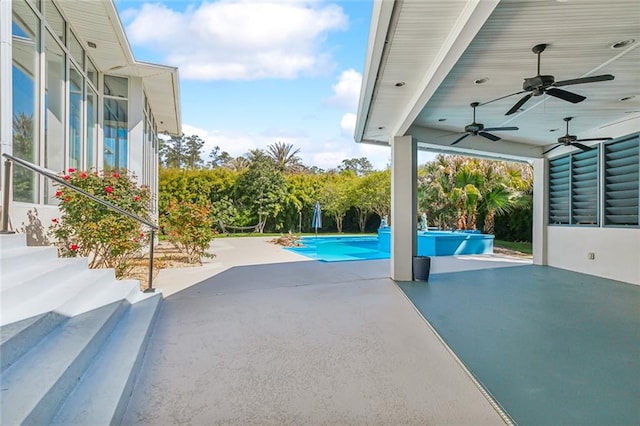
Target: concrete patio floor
261, 335
552, 346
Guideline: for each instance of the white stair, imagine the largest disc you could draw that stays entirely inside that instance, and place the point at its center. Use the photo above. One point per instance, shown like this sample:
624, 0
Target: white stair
72, 339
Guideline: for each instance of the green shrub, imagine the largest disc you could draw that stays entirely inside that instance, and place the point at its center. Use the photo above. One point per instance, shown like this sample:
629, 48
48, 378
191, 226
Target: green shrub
189, 227
88, 229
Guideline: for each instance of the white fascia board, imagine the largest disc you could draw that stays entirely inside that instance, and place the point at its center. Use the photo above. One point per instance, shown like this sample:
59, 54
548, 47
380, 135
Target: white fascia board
471, 20
378, 30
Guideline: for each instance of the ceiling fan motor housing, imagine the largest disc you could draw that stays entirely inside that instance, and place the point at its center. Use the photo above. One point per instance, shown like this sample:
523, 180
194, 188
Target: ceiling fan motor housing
539, 81
474, 128
567, 139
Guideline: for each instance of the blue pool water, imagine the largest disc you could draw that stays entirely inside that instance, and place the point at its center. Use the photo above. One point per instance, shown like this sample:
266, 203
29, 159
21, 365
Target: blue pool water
429, 243
339, 249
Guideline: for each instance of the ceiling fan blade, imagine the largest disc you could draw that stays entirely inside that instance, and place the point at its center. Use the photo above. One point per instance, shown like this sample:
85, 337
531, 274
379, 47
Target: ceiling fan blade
446, 135
500, 129
459, 139
592, 79
582, 147
551, 149
593, 139
489, 136
518, 104
574, 98
502, 97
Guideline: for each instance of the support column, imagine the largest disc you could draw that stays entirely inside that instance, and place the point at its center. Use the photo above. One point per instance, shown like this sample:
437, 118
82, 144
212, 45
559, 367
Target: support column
540, 211
404, 160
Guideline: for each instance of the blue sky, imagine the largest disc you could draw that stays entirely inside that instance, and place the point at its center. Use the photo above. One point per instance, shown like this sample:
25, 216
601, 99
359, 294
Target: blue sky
254, 72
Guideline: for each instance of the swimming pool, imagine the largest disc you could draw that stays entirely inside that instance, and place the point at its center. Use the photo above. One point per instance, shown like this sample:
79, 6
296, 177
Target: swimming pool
430, 243
340, 249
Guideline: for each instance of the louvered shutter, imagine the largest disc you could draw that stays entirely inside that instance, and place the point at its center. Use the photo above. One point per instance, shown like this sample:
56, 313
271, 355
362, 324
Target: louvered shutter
559, 181
584, 188
621, 194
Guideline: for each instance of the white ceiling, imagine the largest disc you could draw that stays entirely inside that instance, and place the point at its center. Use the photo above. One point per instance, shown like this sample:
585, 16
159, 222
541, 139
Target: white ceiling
435, 48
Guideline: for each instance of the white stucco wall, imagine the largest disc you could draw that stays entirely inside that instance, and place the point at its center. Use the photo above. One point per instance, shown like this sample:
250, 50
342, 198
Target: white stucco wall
617, 251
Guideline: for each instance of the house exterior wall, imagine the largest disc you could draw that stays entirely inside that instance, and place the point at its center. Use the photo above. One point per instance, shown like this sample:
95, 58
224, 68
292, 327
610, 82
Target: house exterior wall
590, 209
616, 251
47, 78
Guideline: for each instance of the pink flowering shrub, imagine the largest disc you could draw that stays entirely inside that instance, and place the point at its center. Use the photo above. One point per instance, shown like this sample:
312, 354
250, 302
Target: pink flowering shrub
189, 227
88, 229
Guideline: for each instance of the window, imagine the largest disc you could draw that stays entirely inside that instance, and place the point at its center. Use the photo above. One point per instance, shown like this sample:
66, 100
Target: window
621, 177
76, 86
92, 129
55, 21
573, 189
26, 38
54, 120
584, 188
77, 52
559, 181
115, 134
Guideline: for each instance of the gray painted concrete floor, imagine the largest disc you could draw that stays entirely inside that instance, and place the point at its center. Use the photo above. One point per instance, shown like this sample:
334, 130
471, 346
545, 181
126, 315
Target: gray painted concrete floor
554, 347
299, 342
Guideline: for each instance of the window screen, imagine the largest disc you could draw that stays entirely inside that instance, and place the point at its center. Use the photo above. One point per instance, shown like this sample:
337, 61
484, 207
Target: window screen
584, 188
559, 181
621, 193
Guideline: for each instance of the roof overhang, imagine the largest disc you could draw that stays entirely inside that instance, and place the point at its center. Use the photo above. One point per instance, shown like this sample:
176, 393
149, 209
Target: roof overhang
424, 56
97, 22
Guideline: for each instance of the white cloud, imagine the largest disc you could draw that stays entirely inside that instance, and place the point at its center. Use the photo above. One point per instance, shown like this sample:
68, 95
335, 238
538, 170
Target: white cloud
348, 124
239, 39
346, 92
326, 154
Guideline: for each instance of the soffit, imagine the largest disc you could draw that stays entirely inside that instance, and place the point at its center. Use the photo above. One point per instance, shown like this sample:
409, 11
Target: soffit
579, 34
97, 21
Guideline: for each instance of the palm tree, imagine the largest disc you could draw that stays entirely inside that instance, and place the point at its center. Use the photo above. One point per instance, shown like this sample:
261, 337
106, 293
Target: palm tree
238, 164
285, 156
498, 201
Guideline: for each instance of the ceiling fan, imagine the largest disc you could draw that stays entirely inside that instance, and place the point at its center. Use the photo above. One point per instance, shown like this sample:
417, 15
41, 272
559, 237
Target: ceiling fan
541, 84
478, 129
572, 140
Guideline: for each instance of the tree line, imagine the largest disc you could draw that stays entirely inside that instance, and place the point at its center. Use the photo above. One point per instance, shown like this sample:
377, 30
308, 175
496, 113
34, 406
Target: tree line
273, 188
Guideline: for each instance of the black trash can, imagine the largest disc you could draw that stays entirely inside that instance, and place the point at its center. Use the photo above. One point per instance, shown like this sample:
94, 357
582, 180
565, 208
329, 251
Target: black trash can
421, 268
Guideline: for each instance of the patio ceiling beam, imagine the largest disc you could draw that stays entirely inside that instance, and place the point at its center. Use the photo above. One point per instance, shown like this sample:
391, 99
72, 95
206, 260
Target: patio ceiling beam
436, 140
471, 19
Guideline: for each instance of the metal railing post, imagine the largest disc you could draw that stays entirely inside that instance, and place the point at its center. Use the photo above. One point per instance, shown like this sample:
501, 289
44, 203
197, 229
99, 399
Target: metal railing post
5, 198
150, 288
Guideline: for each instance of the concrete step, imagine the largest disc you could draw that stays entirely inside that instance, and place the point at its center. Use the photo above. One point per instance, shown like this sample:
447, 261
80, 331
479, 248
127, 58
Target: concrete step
99, 295
50, 270
16, 259
35, 386
9, 241
19, 337
103, 394
51, 291
40, 276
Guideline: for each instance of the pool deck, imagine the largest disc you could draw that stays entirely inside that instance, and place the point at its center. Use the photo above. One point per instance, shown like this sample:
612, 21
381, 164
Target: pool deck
261, 335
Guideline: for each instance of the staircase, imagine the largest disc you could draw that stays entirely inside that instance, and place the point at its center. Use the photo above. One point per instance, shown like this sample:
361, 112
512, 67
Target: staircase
71, 338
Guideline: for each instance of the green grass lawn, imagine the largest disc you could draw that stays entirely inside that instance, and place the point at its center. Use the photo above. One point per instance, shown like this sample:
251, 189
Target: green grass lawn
522, 247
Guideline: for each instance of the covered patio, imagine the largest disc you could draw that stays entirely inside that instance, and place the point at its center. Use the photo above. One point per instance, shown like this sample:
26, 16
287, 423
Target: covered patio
550, 83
